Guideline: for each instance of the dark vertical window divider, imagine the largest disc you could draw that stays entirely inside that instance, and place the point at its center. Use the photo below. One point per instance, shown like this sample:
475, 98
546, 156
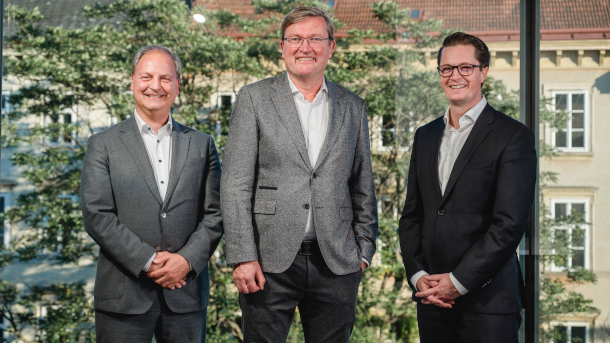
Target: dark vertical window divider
529, 114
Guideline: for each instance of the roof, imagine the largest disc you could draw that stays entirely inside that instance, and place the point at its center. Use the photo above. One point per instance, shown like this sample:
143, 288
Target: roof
560, 19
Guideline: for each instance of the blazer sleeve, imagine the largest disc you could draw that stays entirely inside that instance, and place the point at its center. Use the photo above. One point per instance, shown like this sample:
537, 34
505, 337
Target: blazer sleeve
99, 212
239, 161
203, 242
412, 220
362, 192
514, 196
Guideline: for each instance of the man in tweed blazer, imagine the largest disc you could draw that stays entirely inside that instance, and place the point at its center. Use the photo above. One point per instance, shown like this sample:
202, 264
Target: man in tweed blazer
297, 194
150, 199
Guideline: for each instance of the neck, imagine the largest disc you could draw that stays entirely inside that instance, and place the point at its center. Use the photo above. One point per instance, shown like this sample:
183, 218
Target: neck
156, 120
457, 111
309, 87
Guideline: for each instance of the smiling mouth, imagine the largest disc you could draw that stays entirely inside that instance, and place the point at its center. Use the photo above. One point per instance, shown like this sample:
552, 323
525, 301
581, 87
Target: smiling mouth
457, 86
305, 59
154, 96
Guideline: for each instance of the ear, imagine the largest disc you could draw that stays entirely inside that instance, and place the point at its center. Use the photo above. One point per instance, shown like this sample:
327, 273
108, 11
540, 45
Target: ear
131, 87
282, 48
484, 74
333, 45
178, 88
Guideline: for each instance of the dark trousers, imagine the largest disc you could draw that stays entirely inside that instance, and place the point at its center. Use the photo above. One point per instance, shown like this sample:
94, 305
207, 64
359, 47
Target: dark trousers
327, 303
453, 326
167, 326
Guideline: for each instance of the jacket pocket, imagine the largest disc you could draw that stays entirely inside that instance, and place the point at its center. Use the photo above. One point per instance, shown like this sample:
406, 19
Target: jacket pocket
346, 213
264, 207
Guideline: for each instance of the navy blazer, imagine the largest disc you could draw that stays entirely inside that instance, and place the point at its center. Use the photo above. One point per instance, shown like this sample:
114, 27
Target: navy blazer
474, 229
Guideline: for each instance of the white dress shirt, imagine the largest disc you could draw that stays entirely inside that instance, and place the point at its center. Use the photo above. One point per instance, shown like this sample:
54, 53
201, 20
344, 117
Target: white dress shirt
314, 117
158, 147
314, 123
452, 142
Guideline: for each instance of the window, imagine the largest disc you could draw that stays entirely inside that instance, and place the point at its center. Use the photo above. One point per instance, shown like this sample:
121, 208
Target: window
332, 3
416, 14
574, 236
571, 332
389, 136
573, 137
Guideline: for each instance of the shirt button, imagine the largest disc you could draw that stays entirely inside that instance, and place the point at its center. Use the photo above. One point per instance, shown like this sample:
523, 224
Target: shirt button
441, 212
163, 215
157, 248
314, 175
306, 206
159, 160
157, 141
162, 182
149, 129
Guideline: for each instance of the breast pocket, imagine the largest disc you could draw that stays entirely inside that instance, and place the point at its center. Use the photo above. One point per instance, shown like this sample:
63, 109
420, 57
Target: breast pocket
480, 164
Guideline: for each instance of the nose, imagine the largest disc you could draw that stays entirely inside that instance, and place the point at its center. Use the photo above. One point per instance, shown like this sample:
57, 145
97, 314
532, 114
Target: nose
456, 75
155, 84
305, 47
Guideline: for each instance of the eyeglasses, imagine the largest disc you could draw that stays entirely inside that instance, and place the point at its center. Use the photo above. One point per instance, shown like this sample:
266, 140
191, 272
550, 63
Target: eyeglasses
463, 69
298, 41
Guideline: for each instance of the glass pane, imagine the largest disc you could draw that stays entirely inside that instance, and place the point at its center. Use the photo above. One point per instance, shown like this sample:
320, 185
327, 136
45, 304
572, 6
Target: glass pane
578, 120
561, 210
578, 237
578, 258
560, 334
578, 101
561, 102
578, 208
578, 139
579, 334
561, 139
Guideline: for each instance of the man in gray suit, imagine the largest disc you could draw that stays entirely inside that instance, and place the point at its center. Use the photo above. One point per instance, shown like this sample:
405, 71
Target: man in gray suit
297, 194
150, 199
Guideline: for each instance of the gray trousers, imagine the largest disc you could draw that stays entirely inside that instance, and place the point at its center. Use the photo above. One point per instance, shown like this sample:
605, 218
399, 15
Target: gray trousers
167, 326
326, 302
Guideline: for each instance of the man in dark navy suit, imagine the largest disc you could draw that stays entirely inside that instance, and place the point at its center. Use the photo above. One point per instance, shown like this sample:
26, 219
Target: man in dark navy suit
470, 188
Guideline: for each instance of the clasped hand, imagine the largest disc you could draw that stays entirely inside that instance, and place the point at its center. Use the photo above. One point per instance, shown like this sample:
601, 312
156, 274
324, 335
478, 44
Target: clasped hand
169, 270
437, 290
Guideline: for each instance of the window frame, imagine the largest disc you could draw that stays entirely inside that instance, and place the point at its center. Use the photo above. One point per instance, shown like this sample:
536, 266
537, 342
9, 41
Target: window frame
586, 227
570, 324
569, 130
6, 234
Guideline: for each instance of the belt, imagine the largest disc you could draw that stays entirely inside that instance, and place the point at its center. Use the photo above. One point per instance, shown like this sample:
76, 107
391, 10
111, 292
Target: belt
309, 248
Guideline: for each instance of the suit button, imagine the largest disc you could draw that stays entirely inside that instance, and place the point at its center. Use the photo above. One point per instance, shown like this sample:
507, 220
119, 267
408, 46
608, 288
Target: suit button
441, 212
314, 175
157, 248
163, 215
306, 206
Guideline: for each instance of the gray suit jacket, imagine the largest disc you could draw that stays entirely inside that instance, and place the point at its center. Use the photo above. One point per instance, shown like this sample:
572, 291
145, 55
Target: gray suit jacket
124, 213
269, 183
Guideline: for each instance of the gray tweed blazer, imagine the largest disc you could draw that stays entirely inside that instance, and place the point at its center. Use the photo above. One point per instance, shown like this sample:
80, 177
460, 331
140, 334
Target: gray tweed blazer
269, 184
124, 213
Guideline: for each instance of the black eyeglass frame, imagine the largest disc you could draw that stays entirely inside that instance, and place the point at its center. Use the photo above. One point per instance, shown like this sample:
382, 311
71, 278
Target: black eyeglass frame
303, 39
458, 69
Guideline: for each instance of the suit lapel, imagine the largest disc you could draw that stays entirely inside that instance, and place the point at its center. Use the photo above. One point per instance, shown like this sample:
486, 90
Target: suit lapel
180, 149
433, 163
336, 114
132, 139
480, 130
287, 111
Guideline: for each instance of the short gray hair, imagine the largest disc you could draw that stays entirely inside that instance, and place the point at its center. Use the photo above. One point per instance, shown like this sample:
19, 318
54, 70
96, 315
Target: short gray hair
301, 13
159, 48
